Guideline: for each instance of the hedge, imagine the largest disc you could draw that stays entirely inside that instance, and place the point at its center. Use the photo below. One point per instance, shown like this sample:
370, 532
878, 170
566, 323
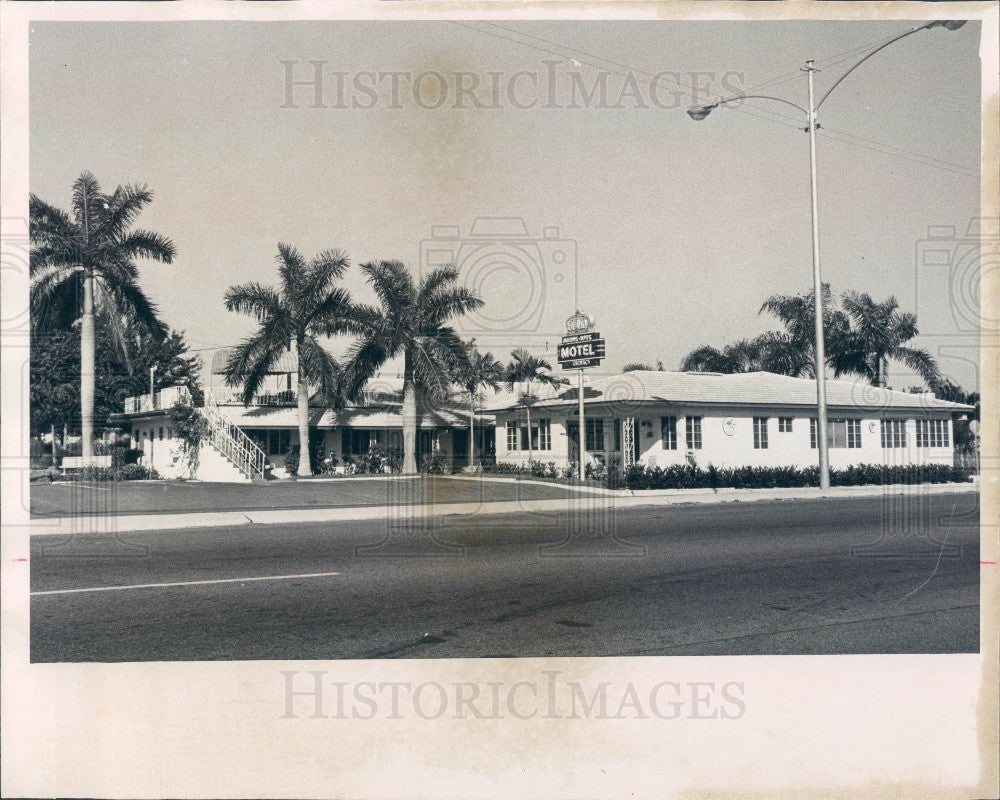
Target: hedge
688, 477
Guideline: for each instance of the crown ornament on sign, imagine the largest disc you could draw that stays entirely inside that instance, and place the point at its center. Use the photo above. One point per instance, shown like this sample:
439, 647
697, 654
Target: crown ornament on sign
579, 323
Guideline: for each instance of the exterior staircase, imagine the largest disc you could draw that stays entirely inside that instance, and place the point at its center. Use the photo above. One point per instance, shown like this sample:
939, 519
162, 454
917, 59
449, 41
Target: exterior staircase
238, 449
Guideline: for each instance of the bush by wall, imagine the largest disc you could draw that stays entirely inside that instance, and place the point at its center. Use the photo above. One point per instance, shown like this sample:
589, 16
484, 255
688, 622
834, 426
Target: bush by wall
125, 472
688, 477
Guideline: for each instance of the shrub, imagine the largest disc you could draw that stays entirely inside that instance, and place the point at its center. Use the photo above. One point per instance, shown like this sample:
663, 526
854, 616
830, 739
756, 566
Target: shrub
127, 472
435, 463
317, 449
687, 477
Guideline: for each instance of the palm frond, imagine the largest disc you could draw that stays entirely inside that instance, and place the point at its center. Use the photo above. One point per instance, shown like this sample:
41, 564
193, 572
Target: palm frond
131, 302
124, 206
292, 269
256, 300
250, 362
447, 303
50, 225
317, 366
365, 358
392, 285
920, 361
145, 244
87, 199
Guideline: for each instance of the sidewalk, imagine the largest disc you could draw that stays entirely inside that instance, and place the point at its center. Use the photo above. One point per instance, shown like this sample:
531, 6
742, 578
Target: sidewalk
110, 524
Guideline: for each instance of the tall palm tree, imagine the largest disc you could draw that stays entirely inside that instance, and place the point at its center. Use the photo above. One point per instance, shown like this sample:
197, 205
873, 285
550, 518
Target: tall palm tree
411, 322
878, 333
481, 371
526, 368
91, 256
305, 307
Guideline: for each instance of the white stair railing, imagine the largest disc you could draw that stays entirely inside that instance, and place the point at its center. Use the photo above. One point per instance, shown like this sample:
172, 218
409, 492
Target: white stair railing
242, 451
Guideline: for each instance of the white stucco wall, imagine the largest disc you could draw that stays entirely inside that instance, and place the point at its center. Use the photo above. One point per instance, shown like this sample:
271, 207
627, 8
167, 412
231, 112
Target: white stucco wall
737, 447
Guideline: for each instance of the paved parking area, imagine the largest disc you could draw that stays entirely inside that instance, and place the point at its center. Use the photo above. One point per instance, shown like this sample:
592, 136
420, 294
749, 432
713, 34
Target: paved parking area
162, 497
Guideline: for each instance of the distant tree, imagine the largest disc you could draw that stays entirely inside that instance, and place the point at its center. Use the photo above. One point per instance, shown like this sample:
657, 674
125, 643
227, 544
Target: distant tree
91, 255
527, 369
411, 321
480, 371
877, 334
305, 307
638, 366
55, 374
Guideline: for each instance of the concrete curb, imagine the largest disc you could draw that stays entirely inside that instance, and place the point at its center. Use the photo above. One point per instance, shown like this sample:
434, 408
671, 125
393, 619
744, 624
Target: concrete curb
108, 525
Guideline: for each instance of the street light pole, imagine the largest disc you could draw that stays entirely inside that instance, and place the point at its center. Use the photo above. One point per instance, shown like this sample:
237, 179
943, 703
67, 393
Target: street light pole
699, 113
821, 441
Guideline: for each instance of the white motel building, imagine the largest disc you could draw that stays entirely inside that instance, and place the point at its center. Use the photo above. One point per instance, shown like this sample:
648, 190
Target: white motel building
245, 441
652, 418
747, 419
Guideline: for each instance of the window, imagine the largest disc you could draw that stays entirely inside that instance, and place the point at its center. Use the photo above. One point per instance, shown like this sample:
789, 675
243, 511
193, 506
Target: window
692, 433
512, 435
357, 441
760, 433
932, 433
541, 435
595, 435
840, 433
893, 433
784, 424
272, 442
668, 432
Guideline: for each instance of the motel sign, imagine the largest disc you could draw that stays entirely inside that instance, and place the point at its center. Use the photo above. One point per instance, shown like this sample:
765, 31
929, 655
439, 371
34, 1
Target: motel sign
580, 350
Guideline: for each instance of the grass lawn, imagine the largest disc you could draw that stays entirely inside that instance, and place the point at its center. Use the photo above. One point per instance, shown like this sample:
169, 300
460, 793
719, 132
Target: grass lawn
157, 497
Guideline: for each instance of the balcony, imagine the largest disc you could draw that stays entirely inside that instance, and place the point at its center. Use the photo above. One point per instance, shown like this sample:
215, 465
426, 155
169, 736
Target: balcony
158, 401
227, 396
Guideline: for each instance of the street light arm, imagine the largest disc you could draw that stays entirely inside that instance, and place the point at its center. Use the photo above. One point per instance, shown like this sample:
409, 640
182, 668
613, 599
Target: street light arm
759, 97
873, 52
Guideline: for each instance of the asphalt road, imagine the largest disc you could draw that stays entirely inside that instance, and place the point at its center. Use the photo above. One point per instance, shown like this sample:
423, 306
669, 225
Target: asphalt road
847, 575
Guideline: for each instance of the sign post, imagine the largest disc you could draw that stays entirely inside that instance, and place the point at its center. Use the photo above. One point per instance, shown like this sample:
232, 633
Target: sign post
580, 348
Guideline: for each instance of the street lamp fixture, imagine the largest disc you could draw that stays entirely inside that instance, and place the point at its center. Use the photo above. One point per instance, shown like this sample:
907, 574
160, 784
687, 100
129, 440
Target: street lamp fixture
699, 113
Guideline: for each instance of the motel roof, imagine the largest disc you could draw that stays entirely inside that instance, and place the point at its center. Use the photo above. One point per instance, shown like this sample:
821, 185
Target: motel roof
352, 417
643, 387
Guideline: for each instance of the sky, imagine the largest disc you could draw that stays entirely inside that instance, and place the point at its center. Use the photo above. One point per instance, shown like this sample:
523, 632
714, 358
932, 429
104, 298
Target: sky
670, 233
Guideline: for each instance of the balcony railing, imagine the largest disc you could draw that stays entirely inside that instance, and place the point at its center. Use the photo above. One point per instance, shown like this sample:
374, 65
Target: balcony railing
226, 396
158, 401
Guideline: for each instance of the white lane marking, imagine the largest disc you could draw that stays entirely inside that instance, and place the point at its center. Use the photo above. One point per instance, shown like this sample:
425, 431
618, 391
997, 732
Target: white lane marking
185, 583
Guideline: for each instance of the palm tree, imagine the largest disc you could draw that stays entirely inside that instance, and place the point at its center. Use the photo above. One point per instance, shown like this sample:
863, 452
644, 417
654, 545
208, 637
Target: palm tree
411, 322
526, 368
878, 333
91, 254
482, 370
305, 307
795, 349
769, 352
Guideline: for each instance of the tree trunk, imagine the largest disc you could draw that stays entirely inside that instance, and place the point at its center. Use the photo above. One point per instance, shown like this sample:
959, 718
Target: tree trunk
55, 457
472, 428
87, 370
531, 455
409, 417
302, 397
